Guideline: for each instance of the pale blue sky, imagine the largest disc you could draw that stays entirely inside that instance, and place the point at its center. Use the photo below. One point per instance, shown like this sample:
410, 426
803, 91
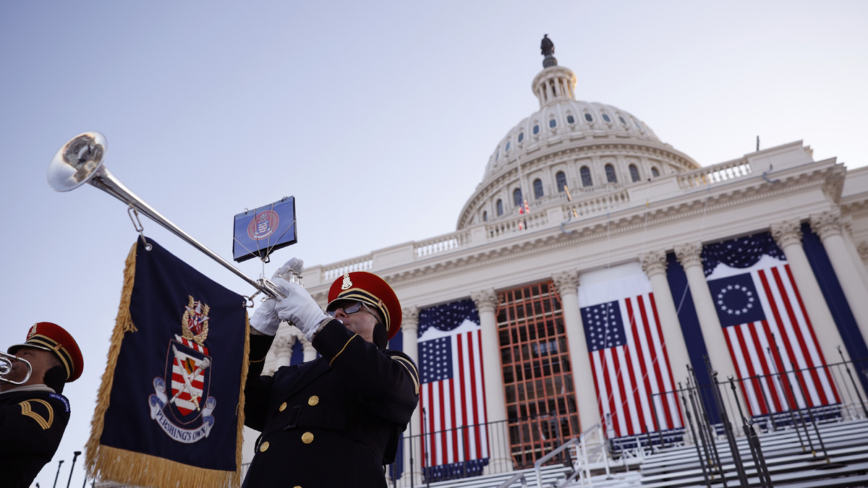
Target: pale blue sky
379, 117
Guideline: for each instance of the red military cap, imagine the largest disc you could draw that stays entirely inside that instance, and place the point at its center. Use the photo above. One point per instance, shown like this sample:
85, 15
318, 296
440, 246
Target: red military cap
54, 338
370, 289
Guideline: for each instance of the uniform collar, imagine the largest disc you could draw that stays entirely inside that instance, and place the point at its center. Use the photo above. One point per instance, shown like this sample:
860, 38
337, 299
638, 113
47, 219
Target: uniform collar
20, 389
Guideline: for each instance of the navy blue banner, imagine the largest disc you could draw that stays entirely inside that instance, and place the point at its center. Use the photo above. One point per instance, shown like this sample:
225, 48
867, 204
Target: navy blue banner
177, 382
259, 232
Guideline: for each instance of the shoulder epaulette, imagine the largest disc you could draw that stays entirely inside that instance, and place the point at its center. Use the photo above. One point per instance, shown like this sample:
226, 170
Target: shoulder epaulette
407, 363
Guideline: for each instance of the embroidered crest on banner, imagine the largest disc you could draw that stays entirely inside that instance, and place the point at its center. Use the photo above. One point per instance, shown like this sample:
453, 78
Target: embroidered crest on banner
195, 321
180, 404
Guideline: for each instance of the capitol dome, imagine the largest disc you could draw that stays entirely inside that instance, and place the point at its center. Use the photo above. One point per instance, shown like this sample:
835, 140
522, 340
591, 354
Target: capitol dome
567, 146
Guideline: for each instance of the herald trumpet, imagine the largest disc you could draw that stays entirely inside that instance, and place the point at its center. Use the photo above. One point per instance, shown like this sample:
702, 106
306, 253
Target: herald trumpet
6, 361
82, 160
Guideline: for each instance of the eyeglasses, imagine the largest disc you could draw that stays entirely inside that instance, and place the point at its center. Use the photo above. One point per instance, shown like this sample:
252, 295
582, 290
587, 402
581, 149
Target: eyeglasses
350, 307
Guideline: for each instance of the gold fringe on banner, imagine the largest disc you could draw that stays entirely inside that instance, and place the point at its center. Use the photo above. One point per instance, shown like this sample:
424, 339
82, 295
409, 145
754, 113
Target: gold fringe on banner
110, 463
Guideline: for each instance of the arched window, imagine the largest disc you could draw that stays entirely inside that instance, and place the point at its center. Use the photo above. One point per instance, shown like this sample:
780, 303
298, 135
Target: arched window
516, 197
622, 120
521, 137
634, 172
507, 145
561, 180
499, 208
586, 176
537, 189
497, 156
589, 118
611, 177
535, 129
553, 123
571, 119
654, 172
485, 216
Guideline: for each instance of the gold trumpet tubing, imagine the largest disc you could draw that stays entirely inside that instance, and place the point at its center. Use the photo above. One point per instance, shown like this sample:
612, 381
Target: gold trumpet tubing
6, 368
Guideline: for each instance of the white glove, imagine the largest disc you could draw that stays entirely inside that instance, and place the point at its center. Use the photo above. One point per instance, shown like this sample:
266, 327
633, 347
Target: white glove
300, 309
265, 318
294, 266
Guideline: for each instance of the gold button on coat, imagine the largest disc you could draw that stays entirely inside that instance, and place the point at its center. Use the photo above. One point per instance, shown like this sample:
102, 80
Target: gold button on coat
307, 438
282, 406
263, 447
312, 401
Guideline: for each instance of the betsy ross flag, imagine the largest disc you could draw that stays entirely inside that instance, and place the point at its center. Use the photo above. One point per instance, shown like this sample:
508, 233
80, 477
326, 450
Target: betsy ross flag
452, 394
627, 352
766, 326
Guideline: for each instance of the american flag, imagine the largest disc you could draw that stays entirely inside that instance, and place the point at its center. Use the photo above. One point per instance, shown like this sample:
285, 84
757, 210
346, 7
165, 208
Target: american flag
767, 329
452, 393
628, 359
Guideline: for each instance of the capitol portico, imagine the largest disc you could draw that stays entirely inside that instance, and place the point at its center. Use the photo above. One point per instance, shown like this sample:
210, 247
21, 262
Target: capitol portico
581, 194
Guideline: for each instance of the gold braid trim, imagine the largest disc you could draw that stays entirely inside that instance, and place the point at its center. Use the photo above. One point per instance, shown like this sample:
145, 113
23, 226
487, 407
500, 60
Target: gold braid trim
342, 349
410, 369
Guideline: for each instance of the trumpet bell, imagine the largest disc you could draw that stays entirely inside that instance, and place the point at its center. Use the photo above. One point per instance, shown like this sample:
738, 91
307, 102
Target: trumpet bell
6, 361
77, 162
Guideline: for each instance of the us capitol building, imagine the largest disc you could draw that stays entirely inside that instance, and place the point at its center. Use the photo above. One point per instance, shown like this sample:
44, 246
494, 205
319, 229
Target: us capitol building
582, 212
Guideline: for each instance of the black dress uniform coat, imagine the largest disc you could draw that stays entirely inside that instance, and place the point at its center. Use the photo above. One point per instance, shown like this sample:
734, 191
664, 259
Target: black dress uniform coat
331, 422
31, 426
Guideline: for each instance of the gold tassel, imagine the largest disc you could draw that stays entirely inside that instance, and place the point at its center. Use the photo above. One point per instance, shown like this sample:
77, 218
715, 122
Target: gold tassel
138, 469
123, 324
111, 463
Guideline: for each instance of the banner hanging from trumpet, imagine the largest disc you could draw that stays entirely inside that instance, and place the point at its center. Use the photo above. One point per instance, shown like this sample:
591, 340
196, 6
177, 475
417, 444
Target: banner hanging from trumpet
170, 407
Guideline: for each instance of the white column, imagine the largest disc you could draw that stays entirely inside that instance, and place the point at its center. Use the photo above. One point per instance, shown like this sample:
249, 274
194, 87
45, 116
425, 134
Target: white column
847, 235
654, 265
486, 303
709, 322
788, 235
410, 327
828, 226
283, 349
567, 285
309, 350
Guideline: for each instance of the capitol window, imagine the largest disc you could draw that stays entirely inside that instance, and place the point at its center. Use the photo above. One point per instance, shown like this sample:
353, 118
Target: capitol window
507, 145
499, 208
622, 120
606, 118
611, 177
516, 197
497, 156
553, 123
589, 118
521, 137
535, 130
561, 180
586, 176
634, 172
654, 172
537, 189
485, 216
571, 119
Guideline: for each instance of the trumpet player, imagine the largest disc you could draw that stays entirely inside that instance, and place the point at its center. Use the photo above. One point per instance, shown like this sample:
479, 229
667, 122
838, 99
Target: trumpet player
33, 412
334, 421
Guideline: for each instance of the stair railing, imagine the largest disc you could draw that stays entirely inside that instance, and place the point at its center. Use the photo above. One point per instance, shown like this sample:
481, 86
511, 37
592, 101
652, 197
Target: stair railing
516, 477
536, 466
